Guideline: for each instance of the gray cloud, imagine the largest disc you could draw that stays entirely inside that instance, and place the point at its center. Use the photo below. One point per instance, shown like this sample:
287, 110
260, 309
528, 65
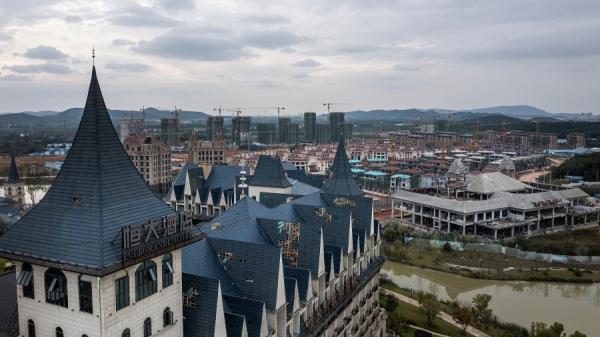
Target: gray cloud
573, 43
73, 18
49, 68
203, 47
271, 39
128, 67
122, 42
14, 78
139, 16
45, 53
176, 4
209, 43
4, 36
307, 63
265, 19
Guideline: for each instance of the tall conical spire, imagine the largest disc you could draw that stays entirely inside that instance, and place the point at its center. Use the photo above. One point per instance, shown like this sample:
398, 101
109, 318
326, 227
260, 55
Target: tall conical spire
341, 181
95, 195
13, 174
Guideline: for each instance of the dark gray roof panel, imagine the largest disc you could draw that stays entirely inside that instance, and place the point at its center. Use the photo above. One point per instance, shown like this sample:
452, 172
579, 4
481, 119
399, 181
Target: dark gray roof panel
252, 310
200, 259
200, 321
8, 301
13, 173
253, 267
269, 173
97, 192
234, 324
302, 276
341, 181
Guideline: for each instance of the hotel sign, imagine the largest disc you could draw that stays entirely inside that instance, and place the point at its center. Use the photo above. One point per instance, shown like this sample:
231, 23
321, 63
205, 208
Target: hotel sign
155, 234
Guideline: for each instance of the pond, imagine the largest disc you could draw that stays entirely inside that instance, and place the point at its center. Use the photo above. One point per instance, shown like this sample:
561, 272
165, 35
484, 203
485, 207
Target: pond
577, 306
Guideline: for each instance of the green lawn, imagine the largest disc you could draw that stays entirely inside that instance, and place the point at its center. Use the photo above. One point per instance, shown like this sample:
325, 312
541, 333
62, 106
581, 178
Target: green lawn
411, 315
495, 263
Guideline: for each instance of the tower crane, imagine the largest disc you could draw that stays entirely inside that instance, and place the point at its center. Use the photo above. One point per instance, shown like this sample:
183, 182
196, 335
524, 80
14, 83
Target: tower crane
328, 105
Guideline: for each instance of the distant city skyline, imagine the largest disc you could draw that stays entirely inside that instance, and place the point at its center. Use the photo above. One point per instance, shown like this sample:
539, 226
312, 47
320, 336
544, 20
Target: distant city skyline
198, 55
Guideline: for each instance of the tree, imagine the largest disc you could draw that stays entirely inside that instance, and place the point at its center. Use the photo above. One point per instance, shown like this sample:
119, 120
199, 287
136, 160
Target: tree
539, 329
431, 308
577, 334
480, 303
464, 317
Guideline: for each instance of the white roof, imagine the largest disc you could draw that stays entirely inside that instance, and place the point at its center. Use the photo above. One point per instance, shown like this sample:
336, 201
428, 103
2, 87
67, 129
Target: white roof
487, 183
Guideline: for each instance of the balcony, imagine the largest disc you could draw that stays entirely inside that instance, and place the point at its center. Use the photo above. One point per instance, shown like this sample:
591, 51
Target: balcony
330, 310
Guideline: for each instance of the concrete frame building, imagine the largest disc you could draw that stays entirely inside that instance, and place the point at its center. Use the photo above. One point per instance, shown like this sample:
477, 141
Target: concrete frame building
310, 127
214, 127
496, 206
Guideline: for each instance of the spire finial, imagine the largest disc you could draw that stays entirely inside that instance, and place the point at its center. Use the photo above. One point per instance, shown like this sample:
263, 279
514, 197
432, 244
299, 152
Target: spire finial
93, 55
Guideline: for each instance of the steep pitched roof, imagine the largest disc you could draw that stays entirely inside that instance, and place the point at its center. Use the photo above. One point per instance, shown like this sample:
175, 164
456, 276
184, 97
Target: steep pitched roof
200, 320
341, 181
97, 192
13, 173
269, 173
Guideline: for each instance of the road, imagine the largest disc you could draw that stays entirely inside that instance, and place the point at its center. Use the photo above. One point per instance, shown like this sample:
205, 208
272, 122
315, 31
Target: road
449, 319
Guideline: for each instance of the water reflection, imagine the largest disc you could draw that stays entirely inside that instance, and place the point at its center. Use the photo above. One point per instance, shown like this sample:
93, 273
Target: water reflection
515, 301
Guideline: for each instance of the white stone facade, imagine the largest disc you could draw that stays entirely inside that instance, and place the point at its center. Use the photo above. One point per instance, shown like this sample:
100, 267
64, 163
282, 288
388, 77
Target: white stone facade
105, 319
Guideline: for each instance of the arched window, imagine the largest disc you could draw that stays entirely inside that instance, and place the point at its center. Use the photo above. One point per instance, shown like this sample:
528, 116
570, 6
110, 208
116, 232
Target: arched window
126, 333
56, 288
30, 328
167, 317
148, 327
167, 270
59, 332
25, 279
84, 335
145, 280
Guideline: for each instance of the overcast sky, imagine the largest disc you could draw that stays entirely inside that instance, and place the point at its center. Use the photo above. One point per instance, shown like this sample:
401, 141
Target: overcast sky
200, 54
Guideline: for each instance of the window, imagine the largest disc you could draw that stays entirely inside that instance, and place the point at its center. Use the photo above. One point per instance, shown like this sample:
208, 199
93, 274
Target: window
30, 328
126, 333
167, 270
84, 335
190, 298
25, 279
59, 332
56, 288
122, 292
167, 317
148, 327
145, 280
85, 296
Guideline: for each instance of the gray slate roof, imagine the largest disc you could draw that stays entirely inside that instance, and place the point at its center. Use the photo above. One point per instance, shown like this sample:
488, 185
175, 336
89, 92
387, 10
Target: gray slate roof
8, 302
97, 192
13, 172
341, 181
269, 173
200, 321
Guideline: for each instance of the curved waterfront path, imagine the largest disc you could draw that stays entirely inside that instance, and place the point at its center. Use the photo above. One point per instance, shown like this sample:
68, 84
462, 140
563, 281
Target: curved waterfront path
442, 315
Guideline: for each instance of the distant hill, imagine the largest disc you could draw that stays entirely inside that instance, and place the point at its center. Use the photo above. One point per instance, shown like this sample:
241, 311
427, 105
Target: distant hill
519, 111
391, 115
71, 117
